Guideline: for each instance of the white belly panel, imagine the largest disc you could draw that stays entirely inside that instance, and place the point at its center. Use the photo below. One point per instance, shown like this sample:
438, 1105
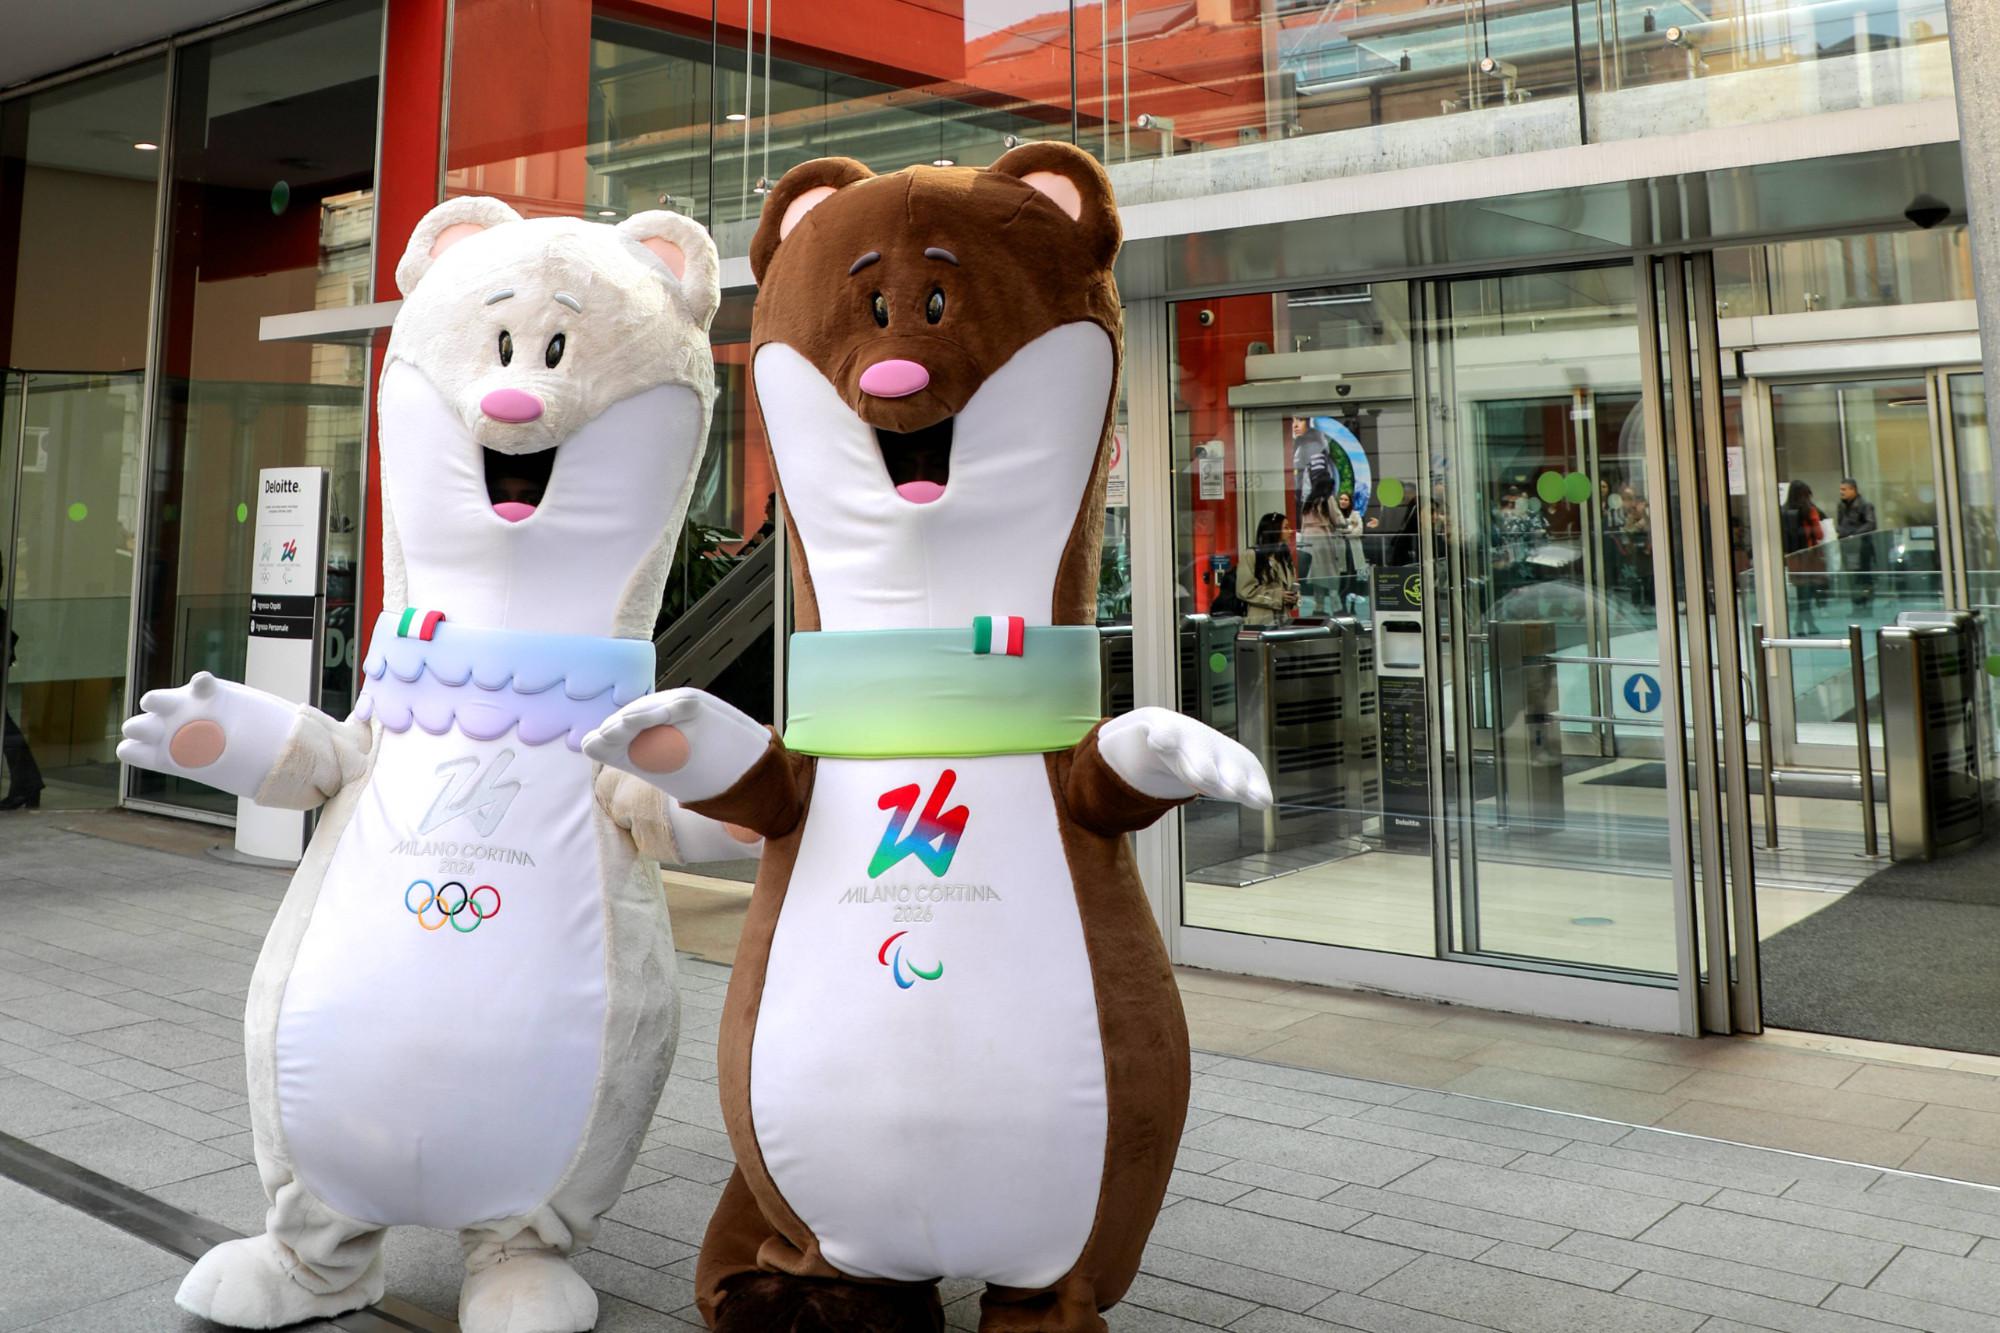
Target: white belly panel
440, 1070
927, 1077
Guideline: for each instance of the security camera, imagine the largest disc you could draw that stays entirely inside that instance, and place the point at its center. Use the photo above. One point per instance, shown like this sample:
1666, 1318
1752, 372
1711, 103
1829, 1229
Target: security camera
1494, 68
1926, 211
1205, 317
1343, 389
1148, 121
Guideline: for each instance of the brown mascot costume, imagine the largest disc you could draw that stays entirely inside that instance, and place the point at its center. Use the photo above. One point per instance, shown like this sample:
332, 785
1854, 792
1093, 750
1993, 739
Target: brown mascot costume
952, 1046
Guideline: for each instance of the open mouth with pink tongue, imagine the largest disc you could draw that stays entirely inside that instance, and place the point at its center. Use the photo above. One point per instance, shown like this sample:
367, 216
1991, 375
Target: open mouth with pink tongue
516, 483
919, 461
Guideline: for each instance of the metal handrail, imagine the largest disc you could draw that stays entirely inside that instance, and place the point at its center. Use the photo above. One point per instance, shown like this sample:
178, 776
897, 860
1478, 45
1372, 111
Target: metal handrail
1591, 659
1807, 645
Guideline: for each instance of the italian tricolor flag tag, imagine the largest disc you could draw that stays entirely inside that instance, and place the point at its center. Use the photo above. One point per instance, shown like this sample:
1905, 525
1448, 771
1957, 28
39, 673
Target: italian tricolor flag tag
1005, 635
420, 624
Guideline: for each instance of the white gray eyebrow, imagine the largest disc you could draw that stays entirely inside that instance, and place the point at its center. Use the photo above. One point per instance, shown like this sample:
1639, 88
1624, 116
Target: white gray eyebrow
500, 295
564, 298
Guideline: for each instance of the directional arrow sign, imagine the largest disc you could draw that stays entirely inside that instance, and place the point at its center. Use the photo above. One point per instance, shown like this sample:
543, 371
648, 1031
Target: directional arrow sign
1642, 692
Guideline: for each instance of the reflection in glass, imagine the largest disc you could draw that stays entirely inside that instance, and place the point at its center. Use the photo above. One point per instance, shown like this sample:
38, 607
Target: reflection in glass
1563, 850
1856, 513
1844, 273
1296, 481
1674, 65
270, 209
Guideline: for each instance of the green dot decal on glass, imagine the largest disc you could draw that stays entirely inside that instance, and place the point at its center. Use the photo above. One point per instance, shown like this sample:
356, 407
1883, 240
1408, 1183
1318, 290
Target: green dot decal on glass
1218, 663
242, 512
78, 512
1390, 492
1550, 487
281, 197
1993, 664
1576, 487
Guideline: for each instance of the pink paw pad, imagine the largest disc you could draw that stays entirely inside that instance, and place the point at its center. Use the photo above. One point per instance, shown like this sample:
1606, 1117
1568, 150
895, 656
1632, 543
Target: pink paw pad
660, 749
198, 744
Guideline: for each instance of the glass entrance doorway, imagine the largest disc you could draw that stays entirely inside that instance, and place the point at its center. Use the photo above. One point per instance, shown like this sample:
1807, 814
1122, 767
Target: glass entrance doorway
1858, 513
1417, 574
1550, 563
79, 176
1451, 556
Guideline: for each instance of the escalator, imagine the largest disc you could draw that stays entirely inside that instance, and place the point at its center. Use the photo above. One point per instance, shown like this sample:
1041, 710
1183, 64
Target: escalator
722, 643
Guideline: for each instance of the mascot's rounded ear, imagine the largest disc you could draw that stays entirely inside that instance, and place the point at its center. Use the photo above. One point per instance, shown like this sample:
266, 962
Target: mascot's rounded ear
1071, 180
682, 249
443, 227
802, 189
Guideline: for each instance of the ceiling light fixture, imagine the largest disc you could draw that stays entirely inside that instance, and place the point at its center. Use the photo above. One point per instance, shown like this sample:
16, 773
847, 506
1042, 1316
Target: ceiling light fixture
943, 162
145, 147
607, 212
736, 115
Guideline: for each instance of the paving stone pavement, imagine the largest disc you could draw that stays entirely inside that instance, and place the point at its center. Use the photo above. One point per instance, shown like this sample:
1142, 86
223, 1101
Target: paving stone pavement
1305, 1202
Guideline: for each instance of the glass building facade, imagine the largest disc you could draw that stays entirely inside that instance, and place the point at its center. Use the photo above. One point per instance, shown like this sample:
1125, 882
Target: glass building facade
1488, 367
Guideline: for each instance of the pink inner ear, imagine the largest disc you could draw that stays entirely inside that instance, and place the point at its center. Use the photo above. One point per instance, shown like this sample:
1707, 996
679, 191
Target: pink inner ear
669, 253
452, 235
799, 207
1059, 188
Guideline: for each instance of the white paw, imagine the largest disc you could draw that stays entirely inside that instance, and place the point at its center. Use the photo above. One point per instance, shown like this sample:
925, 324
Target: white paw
1168, 756
687, 743
246, 1284
214, 731
528, 1293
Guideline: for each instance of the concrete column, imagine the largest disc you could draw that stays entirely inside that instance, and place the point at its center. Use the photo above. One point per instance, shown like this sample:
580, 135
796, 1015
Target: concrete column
1975, 58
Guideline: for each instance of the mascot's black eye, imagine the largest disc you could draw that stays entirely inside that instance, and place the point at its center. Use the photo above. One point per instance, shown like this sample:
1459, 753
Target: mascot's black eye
878, 305
934, 308
553, 356
506, 347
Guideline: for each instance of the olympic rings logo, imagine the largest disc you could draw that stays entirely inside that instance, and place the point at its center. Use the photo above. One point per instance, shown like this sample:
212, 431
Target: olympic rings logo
438, 900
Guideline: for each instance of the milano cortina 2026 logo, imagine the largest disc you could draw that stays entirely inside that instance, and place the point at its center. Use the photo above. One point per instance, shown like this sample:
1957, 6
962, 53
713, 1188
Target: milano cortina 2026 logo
931, 837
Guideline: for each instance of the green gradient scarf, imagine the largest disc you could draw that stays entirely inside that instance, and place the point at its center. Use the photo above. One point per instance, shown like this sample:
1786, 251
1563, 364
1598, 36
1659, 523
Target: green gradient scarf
922, 693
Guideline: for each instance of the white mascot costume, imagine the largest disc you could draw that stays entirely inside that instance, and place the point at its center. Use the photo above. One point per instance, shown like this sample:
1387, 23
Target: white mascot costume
464, 1012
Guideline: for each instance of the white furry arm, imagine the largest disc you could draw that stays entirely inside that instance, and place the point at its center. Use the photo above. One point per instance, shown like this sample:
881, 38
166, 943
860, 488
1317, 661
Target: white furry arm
686, 742
663, 830
218, 732
1170, 757
319, 758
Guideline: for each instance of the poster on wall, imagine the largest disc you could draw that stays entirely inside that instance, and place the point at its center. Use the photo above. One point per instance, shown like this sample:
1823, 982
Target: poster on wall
1208, 470
1117, 487
1346, 461
287, 623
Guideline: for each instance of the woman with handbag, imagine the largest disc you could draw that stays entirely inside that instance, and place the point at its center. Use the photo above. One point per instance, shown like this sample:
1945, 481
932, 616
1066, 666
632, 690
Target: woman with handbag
1268, 582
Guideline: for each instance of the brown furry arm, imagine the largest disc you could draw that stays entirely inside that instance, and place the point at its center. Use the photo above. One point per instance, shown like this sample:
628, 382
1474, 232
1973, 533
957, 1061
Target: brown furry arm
769, 799
1098, 798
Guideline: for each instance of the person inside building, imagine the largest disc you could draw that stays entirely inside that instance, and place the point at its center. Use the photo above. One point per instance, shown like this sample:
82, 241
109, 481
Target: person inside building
1854, 522
1352, 559
24, 775
1803, 530
1268, 581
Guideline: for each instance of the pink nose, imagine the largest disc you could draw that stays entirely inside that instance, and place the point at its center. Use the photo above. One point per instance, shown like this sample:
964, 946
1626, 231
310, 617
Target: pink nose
894, 379
511, 405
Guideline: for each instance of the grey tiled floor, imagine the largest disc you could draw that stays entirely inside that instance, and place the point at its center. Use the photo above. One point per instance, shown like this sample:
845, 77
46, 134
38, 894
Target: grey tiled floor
1306, 1201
